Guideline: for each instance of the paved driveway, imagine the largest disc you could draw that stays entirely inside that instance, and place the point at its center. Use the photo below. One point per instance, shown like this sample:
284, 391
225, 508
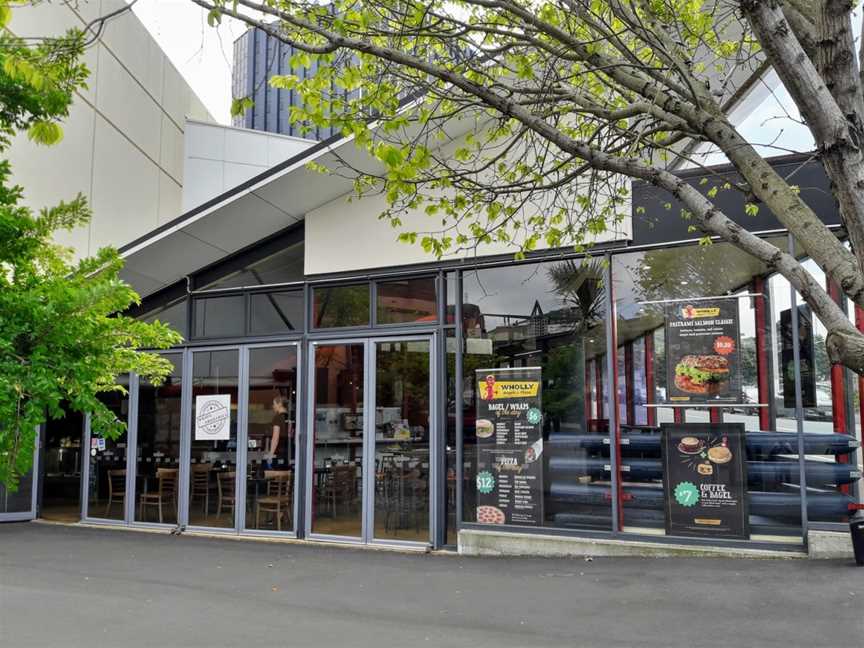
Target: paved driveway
68, 587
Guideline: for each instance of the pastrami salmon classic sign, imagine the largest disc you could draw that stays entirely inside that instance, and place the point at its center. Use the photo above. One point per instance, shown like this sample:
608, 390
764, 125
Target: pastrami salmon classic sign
703, 359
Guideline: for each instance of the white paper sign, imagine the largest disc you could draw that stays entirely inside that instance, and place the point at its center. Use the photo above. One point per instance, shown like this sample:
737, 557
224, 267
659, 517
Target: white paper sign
213, 417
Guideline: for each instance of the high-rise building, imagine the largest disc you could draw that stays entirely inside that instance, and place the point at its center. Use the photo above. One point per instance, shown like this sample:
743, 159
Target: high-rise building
258, 56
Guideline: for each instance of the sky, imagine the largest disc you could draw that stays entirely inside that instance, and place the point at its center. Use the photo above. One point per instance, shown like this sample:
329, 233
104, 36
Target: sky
203, 55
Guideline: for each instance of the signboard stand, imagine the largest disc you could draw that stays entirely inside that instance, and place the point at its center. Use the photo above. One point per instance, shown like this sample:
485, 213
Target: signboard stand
509, 430
705, 480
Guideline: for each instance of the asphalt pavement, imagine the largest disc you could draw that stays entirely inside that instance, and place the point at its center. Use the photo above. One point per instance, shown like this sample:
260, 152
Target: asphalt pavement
72, 586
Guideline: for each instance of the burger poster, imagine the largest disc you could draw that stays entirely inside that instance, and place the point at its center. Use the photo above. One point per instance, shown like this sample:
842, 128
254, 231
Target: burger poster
509, 429
704, 480
702, 352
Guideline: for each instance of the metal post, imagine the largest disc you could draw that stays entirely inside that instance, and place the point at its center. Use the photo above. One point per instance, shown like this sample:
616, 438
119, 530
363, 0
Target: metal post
614, 428
763, 362
458, 413
185, 440
85, 468
131, 448
799, 402
242, 439
301, 409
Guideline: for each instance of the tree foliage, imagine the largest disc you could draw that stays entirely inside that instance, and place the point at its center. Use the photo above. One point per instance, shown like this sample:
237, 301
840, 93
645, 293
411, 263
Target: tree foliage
524, 121
63, 339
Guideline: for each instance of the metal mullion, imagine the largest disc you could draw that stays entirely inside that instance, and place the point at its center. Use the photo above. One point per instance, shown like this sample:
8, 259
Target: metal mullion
85, 468
185, 440
435, 440
309, 442
799, 400
297, 508
131, 448
241, 443
367, 471
458, 413
612, 386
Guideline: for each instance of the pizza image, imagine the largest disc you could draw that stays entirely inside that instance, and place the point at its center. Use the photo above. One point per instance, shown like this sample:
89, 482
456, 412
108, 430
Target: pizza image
490, 515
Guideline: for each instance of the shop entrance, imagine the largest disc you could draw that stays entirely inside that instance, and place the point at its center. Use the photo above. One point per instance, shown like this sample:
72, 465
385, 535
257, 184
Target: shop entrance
61, 469
370, 435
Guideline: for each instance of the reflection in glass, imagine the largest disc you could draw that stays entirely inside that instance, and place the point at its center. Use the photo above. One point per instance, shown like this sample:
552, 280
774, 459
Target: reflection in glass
548, 315
219, 316
213, 453
173, 314
402, 440
406, 301
158, 453
277, 312
270, 443
341, 306
284, 266
687, 272
337, 440
107, 482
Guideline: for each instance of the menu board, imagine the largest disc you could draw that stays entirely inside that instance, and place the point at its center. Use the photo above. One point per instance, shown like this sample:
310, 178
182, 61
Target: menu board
509, 446
704, 480
703, 351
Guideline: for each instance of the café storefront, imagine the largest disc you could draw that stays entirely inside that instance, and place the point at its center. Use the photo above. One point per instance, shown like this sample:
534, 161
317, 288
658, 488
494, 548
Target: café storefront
657, 390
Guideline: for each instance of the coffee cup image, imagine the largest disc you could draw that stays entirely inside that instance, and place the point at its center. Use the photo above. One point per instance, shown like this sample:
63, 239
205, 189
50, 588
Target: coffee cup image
484, 428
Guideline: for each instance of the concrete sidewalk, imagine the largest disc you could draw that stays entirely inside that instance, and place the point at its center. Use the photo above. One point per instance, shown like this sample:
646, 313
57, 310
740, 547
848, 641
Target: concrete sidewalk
71, 586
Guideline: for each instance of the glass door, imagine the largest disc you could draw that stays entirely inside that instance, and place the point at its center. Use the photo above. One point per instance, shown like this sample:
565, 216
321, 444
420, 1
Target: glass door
213, 446
403, 429
335, 446
370, 477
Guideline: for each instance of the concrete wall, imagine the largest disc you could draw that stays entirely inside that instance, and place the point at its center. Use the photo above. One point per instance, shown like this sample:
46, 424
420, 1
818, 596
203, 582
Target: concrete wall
123, 141
219, 158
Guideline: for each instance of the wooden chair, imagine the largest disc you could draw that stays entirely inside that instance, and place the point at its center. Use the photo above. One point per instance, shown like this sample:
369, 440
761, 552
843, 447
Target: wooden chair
166, 493
277, 501
225, 484
201, 485
116, 488
340, 485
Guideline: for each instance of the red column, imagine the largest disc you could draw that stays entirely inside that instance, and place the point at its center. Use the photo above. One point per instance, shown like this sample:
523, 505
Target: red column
629, 387
838, 391
649, 378
678, 415
859, 321
762, 353
615, 436
714, 415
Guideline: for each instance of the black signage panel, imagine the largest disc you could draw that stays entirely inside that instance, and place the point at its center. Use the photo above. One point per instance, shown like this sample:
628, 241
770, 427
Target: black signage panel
703, 362
806, 357
704, 480
509, 446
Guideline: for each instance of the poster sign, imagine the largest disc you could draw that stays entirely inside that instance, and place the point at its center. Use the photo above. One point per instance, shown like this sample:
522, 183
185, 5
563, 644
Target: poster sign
703, 362
806, 357
705, 480
213, 417
509, 429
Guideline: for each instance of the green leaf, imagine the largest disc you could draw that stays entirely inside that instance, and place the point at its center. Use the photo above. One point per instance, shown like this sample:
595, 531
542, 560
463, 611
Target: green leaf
45, 132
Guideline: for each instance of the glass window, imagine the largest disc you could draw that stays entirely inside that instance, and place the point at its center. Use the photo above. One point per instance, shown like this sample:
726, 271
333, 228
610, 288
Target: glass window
337, 306
272, 419
451, 294
278, 312
406, 301
213, 453
107, 482
220, 316
546, 318
284, 266
173, 314
158, 452
646, 285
